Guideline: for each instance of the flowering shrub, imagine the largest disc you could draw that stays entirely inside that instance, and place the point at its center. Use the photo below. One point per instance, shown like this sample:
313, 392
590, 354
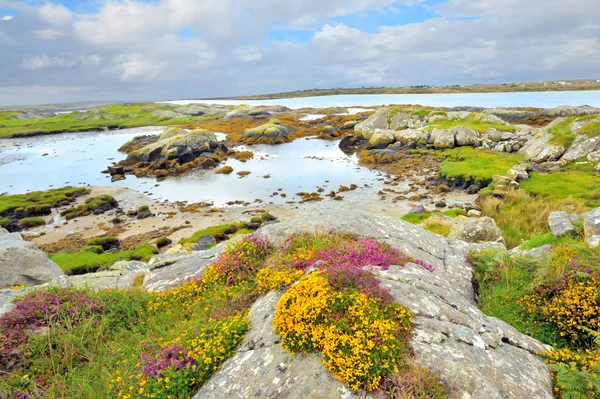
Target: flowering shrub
360, 341
272, 279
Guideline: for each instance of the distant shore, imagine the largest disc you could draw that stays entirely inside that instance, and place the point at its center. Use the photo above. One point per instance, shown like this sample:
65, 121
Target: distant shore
566, 85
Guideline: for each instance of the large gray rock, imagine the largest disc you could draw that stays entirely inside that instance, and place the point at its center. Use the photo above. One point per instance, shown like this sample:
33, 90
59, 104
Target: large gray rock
442, 139
21, 262
583, 145
477, 230
483, 356
412, 136
261, 369
560, 224
268, 133
381, 139
465, 136
378, 121
539, 149
591, 226
186, 147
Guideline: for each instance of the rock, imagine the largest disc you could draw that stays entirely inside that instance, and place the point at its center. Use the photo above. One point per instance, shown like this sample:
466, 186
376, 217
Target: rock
483, 356
205, 242
517, 175
261, 369
594, 157
474, 188
531, 253
465, 136
170, 270
381, 156
442, 139
539, 149
349, 125
184, 147
419, 209
492, 135
115, 170
111, 279
268, 133
380, 139
115, 178
378, 121
593, 241
477, 230
440, 204
6, 296
247, 111
591, 223
582, 146
412, 136
560, 224
21, 262
473, 213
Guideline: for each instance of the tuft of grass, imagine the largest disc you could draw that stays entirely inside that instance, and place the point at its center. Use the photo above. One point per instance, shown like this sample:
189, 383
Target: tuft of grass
27, 223
592, 129
454, 213
86, 261
539, 240
442, 229
4, 222
95, 205
219, 231
416, 218
476, 164
470, 122
562, 134
40, 201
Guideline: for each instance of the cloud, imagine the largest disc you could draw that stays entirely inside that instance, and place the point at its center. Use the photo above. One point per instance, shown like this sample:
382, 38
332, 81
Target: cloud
64, 60
135, 67
48, 34
55, 14
6, 18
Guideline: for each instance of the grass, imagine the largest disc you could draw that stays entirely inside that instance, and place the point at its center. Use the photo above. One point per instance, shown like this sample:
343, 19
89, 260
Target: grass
476, 165
215, 231
4, 222
442, 229
40, 200
576, 181
539, 241
27, 223
563, 135
86, 261
418, 218
521, 216
112, 116
470, 122
94, 205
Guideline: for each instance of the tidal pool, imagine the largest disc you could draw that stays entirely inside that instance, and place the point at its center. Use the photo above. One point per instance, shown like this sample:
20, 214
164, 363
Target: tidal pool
40, 163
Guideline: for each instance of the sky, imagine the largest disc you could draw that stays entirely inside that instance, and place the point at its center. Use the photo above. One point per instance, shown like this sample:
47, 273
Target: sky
135, 50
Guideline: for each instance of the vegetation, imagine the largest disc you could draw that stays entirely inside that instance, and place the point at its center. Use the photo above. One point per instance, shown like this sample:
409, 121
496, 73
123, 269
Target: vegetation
163, 242
113, 116
471, 122
93, 205
563, 135
556, 300
4, 222
435, 226
476, 164
27, 223
94, 256
39, 202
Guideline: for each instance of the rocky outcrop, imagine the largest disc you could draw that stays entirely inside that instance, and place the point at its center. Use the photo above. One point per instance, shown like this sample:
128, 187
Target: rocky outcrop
560, 224
175, 151
268, 133
21, 262
483, 356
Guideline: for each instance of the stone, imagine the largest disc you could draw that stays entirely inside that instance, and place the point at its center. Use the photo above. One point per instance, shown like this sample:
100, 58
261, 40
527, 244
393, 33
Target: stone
442, 139
465, 136
517, 175
380, 139
366, 128
594, 157
483, 356
412, 136
593, 241
473, 213
483, 229
440, 204
184, 147
531, 253
21, 262
349, 125
268, 133
419, 209
591, 223
560, 224
205, 242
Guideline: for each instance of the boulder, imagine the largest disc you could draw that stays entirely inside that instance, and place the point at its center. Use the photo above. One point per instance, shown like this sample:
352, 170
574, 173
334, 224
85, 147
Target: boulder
591, 223
380, 139
268, 133
539, 148
401, 120
482, 356
417, 209
247, 111
412, 136
21, 262
378, 121
442, 139
184, 147
560, 224
582, 147
478, 230
517, 175
465, 136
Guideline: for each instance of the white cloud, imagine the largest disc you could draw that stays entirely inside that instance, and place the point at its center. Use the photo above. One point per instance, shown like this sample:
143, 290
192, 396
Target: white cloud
55, 14
6, 18
248, 54
64, 60
48, 34
135, 67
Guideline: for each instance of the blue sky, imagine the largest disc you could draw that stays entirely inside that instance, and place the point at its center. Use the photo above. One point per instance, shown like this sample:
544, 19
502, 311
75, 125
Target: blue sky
142, 50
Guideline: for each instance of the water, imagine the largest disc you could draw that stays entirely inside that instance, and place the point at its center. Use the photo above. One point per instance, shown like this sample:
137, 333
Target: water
548, 99
78, 158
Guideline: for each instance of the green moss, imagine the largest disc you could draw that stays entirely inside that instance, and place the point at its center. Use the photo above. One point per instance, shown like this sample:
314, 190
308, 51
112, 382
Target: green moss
454, 213
143, 208
220, 230
393, 112
163, 242
538, 241
97, 249
416, 218
28, 223
94, 205
442, 229
562, 134
86, 261
105, 242
4, 222
39, 200
421, 113
576, 181
256, 219
470, 122
476, 164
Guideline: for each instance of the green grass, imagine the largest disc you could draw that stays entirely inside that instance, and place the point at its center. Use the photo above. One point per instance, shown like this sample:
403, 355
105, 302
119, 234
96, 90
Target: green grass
87, 261
113, 116
28, 223
92, 205
439, 228
4, 222
454, 213
38, 200
474, 164
563, 135
416, 218
470, 122
576, 181
220, 230
539, 240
